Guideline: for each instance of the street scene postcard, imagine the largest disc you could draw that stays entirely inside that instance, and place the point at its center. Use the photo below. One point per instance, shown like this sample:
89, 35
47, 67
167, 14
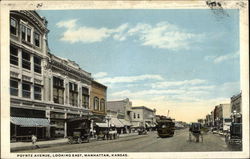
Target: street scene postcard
124, 79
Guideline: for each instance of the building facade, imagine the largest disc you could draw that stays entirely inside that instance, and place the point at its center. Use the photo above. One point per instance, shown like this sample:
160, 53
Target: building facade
28, 53
67, 89
98, 100
143, 116
122, 107
236, 108
46, 90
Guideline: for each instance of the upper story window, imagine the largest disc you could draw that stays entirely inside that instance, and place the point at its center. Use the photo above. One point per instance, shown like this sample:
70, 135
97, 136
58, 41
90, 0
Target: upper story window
25, 60
13, 55
26, 90
14, 87
25, 33
13, 26
134, 115
37, 39
85, 97
96, 103
58, 90
73, 94
102, 105
138, 115
37, 64
37, 92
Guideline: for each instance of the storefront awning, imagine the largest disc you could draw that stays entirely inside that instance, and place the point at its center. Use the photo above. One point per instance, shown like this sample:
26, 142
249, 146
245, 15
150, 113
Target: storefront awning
102, 125
116, 122
30, 122
136, 124
125, 122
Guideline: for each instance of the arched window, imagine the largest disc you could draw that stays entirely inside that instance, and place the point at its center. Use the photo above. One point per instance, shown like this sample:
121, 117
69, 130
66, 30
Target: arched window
102, 108
96, 103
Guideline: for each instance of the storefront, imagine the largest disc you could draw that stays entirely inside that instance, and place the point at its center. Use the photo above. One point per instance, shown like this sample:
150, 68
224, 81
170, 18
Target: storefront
27, 122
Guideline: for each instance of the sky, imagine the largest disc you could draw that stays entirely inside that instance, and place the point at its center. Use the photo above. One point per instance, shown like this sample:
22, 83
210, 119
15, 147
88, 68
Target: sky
185, 61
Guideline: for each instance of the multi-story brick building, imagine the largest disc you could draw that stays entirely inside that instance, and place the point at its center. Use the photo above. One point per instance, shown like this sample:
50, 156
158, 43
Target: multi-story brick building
67, 89
98, 99
46, 90
28, 53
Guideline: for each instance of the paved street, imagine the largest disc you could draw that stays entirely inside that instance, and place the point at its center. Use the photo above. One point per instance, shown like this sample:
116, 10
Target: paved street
145, 143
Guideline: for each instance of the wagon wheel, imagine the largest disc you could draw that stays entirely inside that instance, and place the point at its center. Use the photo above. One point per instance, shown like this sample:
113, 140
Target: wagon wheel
79, 140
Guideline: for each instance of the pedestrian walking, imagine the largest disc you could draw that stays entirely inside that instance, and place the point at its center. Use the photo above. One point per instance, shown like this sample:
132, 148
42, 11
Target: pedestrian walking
34, 139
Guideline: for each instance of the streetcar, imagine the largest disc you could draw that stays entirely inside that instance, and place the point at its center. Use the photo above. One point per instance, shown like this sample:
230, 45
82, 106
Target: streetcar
165, 126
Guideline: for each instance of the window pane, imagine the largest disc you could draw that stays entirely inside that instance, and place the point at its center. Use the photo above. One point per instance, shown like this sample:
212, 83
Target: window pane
23, 32
13, 26
14, 87
37, 39
28, 34
26, 90
13, 55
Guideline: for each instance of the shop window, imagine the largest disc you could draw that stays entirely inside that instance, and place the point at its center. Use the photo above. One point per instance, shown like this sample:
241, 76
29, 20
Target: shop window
14, 87
26, 60
37, 39
96, 103
26, 90
13, 55
102, 105
37, 92
85, 97
13, 26
37, 64
58, 90
73, 94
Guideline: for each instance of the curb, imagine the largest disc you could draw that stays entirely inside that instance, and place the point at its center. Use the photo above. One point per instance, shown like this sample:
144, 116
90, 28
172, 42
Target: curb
55, 143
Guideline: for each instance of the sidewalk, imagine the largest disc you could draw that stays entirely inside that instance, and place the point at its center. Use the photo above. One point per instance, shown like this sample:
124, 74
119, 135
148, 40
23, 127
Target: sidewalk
18, 146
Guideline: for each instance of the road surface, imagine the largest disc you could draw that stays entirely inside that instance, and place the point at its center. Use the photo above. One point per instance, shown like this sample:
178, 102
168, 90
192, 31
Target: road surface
145, 143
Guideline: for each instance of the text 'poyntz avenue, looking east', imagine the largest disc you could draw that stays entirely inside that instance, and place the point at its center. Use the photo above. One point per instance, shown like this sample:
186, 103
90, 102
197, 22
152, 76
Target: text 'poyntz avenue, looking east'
124, 104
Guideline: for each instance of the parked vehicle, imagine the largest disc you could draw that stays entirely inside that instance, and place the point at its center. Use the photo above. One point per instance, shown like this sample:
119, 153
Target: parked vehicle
165, 127
78, 130
142, 131
195, 130
234, 137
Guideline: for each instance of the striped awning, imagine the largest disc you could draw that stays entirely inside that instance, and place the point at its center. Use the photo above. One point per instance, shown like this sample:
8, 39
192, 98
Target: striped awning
102, 125
116, 122
30, 122
125, 122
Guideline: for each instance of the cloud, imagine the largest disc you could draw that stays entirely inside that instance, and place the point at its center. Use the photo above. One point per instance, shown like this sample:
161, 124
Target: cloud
177, 83
219, 59
75, 33
164, 35
129, 79
100, 74
161, 35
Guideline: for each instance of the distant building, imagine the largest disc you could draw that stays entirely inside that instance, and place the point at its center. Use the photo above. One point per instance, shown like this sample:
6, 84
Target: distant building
98, 100
224, 112
122, 107
236, 108
143, 116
